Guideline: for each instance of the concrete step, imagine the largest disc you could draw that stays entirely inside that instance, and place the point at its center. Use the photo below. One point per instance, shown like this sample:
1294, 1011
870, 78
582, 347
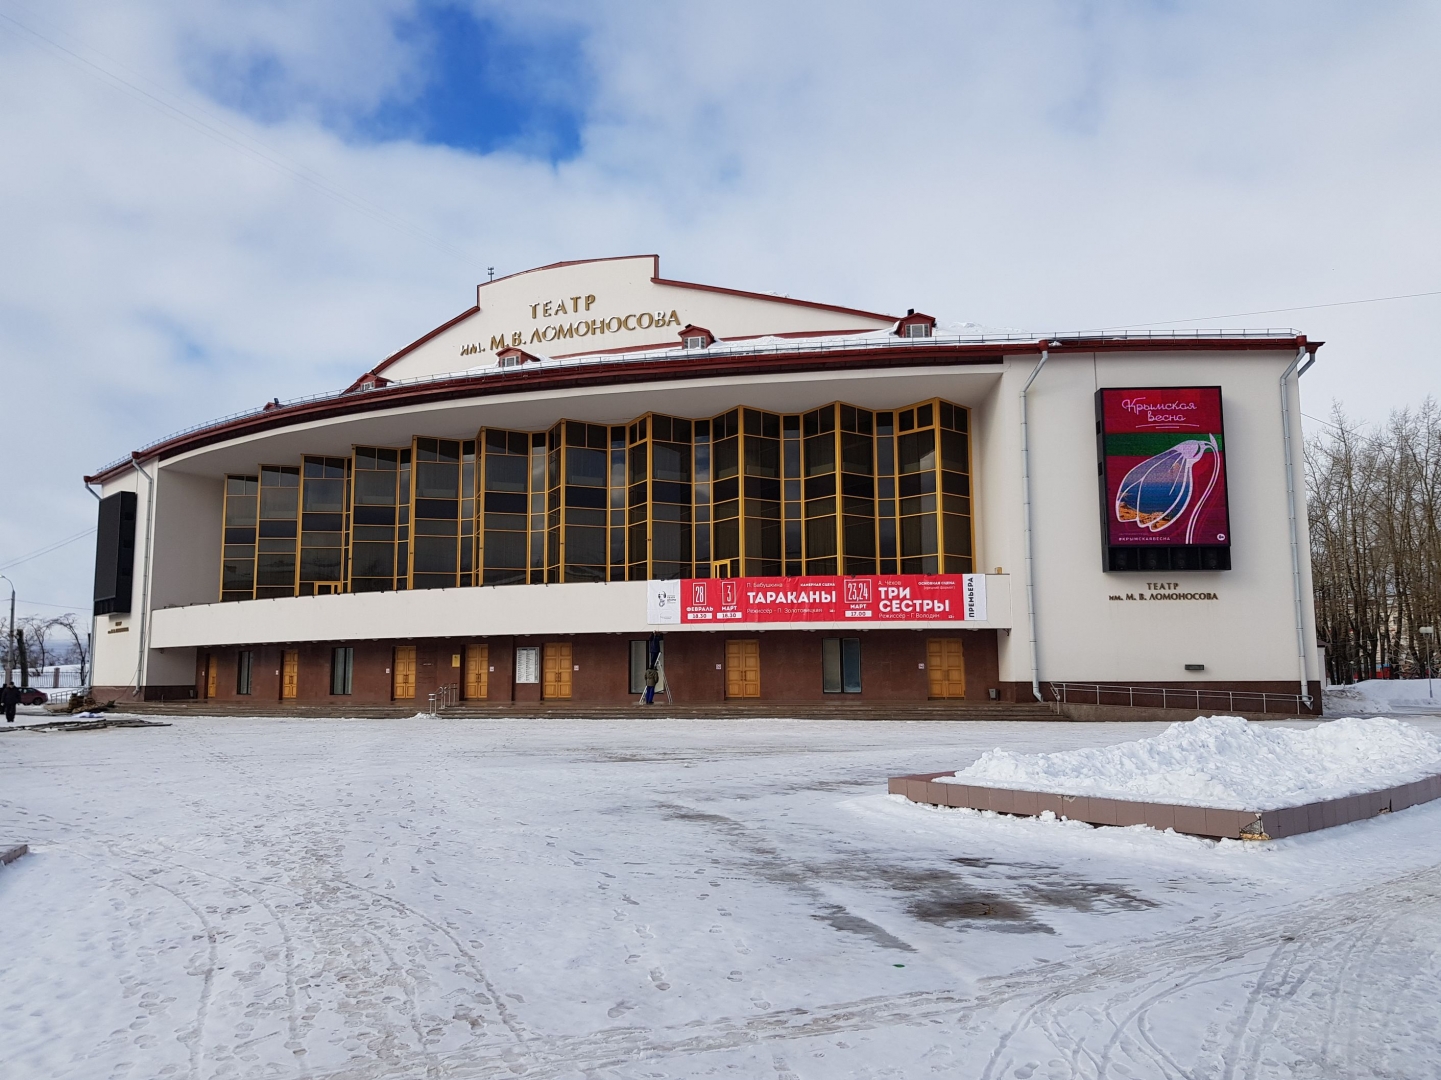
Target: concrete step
921, 710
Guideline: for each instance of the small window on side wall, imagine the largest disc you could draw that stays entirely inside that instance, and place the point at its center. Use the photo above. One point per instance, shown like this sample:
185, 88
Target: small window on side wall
342, 668
841, 665
244, 663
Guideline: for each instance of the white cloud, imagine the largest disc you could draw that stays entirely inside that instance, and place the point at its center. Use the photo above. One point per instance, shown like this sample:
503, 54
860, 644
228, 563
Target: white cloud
1043, 165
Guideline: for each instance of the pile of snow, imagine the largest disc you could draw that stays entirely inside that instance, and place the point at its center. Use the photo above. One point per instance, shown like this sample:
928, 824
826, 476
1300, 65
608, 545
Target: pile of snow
1227, 763
1375, 696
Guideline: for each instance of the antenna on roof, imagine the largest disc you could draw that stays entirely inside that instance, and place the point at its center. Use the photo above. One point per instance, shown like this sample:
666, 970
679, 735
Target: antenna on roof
490, 272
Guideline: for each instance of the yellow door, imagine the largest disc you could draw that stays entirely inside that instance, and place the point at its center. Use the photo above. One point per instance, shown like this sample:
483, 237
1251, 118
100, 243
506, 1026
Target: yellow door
743, 668
210, 665
557, 671
289, 673
477, 672
946, 667
402, 680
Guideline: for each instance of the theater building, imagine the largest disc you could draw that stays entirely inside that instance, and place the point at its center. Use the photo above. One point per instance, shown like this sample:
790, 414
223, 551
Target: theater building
595, 470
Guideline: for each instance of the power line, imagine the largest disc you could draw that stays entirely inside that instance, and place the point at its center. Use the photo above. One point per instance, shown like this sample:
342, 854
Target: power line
1278, 311
266, 155
41, 603
47, 549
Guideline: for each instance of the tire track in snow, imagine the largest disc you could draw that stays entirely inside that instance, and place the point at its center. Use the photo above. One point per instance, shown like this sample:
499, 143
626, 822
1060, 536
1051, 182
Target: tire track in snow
1114, 972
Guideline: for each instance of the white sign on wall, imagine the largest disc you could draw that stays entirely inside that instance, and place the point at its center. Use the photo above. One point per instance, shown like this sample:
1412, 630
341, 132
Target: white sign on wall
527, 665
662, 603
973, 596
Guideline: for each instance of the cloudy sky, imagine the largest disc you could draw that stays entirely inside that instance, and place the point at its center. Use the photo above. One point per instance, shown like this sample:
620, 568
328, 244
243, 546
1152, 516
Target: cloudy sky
207, 204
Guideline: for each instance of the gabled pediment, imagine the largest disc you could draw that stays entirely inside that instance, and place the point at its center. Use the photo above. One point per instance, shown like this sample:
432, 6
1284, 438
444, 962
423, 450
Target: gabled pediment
607, 305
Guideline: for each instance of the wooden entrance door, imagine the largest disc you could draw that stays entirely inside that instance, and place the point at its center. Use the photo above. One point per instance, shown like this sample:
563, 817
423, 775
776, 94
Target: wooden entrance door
477, 672
211, 663
946, 667
743, 668
402, 673
557, 671
289, 674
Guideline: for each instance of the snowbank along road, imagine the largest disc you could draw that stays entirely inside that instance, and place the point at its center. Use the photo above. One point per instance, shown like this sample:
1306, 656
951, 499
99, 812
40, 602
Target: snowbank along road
366, 900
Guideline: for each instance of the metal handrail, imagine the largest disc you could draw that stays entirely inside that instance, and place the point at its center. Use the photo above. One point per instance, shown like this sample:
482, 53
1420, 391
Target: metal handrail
1288, 702
442, 697
761, 347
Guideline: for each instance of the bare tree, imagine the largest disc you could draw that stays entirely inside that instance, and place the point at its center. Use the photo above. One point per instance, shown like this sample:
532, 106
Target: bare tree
68, 626
36, 629
1374, 499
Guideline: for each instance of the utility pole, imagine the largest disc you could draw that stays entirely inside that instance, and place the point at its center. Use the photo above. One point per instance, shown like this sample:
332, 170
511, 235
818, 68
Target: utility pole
9, 634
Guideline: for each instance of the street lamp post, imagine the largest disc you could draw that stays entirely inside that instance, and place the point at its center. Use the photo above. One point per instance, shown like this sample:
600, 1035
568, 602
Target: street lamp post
1428, 632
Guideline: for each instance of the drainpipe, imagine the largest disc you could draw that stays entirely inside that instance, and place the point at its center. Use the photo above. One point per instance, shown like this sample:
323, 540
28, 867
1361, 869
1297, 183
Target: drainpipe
1026, 517
1291, 514
140, 664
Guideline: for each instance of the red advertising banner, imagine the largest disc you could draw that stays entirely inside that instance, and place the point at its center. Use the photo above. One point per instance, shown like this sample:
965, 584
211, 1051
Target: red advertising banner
869, 599
1164, 463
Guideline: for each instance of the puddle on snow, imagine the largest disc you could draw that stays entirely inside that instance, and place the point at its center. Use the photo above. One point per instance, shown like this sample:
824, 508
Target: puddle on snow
841, 919
963, 893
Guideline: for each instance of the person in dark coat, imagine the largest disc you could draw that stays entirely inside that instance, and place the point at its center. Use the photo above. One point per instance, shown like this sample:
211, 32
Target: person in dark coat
9, 698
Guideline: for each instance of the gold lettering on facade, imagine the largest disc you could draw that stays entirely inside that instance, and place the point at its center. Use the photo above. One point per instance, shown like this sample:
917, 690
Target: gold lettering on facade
563, 331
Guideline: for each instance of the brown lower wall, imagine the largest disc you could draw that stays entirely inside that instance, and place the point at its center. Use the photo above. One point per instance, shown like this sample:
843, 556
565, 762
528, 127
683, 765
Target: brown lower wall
893, 668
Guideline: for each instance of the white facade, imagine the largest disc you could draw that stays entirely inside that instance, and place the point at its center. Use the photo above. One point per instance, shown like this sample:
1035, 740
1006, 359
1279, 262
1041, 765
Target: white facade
1090, 626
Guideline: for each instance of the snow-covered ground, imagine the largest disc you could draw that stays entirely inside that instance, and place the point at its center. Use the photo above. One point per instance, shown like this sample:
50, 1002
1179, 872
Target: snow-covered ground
1392, 696
1226, 762
371, 899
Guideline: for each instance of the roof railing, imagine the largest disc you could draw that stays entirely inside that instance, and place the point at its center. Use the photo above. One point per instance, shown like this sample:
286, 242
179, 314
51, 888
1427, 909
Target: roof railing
767, 346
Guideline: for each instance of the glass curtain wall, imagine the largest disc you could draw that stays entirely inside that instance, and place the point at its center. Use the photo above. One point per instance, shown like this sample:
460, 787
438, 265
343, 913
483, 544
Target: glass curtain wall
443, 514
584, 503
275, 557
638, 499
617, 487
505, 504
672, 473
761, 505
725, 495
836, 490
933, 523
324, 525
793, 521
375, 506
237, 563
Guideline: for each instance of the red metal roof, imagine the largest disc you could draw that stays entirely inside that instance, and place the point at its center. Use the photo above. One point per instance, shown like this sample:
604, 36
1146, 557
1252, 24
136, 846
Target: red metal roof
675, 364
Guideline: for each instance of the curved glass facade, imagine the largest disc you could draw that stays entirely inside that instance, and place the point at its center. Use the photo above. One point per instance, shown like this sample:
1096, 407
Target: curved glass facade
836, 490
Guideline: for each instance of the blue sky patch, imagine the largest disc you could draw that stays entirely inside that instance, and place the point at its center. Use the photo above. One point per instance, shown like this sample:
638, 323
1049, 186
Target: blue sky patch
491, 87
483, 85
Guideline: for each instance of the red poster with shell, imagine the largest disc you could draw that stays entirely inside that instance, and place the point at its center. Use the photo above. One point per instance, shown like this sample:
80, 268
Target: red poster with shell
1163, 456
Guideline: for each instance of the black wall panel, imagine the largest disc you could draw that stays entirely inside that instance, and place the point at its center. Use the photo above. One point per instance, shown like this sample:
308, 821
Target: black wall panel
115, 553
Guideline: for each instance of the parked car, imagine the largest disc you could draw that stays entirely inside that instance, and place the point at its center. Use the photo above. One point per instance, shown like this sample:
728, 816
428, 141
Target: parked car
30, 696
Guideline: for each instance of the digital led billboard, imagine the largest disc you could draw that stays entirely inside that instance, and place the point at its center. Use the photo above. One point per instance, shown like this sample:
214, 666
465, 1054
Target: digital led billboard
1162, 469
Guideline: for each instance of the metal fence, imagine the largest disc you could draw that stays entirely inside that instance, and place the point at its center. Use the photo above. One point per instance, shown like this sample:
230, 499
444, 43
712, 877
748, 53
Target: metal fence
1165, 697
63, 678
